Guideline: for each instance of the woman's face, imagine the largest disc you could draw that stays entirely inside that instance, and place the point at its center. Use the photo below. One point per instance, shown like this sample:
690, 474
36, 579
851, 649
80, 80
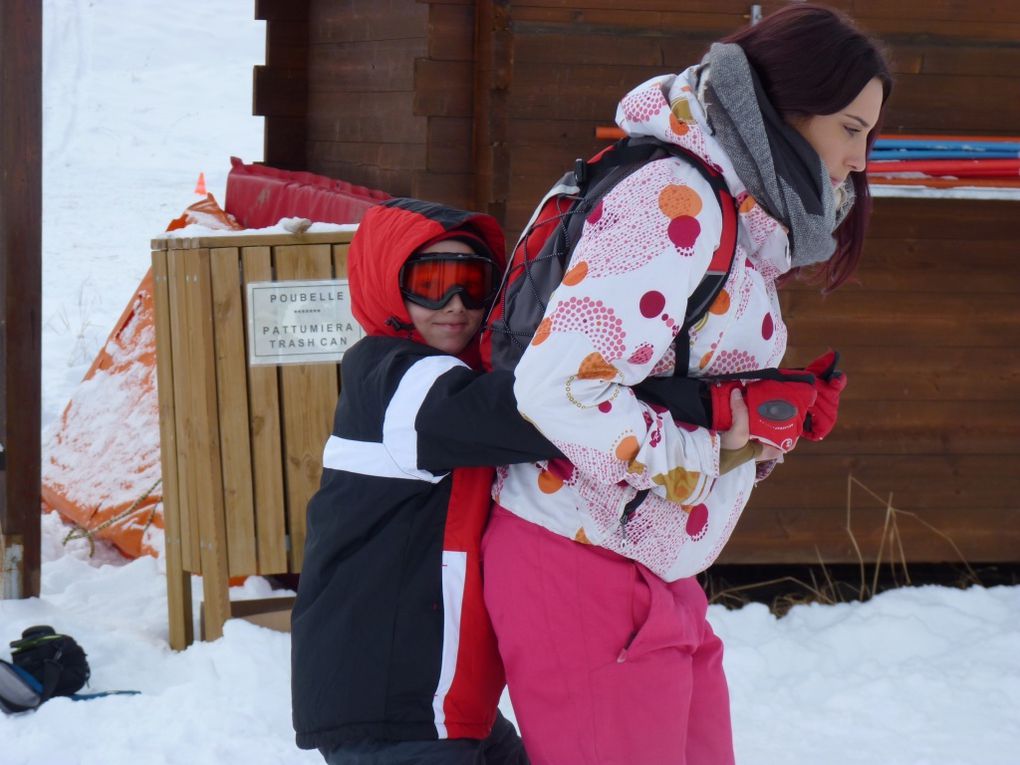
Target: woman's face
841, 139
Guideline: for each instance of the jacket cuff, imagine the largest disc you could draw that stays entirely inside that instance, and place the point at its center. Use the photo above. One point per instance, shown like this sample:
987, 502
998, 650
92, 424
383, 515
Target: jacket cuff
734, 458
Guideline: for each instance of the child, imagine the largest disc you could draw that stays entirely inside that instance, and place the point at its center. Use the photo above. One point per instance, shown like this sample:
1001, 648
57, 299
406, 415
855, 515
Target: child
394, 658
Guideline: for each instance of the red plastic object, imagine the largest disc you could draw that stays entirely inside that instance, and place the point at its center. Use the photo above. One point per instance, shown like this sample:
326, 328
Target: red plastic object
259, 196
972, 168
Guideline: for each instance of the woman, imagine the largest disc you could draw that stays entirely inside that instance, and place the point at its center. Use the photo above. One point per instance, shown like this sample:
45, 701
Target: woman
588, 564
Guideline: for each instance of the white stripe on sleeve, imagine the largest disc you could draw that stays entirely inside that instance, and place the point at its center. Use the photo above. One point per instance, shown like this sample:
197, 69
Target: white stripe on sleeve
399, 436
454, 574
397, 455
368, 458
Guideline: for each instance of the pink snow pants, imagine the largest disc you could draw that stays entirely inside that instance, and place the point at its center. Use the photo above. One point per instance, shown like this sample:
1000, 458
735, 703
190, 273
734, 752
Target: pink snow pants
606, 663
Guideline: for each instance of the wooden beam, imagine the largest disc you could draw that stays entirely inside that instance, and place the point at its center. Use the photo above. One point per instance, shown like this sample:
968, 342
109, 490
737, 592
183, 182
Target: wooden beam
280, 87
493, 75
20, 294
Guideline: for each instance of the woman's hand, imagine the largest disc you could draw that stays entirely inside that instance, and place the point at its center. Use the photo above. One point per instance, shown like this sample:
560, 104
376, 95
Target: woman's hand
739, 434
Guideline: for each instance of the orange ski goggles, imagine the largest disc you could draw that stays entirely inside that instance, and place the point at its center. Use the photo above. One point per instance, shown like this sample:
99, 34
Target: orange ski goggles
432, 280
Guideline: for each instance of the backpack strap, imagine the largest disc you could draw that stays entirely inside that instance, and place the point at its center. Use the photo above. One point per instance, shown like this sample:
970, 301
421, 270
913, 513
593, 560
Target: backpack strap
562, 213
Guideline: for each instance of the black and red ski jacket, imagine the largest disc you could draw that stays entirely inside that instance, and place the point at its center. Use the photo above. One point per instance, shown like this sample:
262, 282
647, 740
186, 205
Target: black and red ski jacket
390, 638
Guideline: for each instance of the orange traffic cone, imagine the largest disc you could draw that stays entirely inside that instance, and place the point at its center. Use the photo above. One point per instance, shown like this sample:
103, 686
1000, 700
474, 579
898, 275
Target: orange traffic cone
200, 186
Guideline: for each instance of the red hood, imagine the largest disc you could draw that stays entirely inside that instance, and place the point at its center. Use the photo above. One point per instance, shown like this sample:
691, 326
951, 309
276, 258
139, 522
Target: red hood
387, 236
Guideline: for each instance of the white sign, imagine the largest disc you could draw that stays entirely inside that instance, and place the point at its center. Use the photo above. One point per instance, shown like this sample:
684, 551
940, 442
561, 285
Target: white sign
300, 322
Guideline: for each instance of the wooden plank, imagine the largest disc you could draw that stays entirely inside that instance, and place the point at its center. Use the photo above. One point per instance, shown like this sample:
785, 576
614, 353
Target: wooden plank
180, 333
919, 481
907, 427
178, 581
360, 20
545, 162
402, 157
934, 219
205, 442
21, 26
892, 30
573, 92
910, 13
266, 440
665, 50
284, 143
637, 6
454, 189
493, 77
947, 103
232, 239
910, 373
852, 318
280, 92
395, 182
805, 535
569, 135
630, 22
451, 32
935, 265
375, 66
443, 88
288, 10
572, 47
941, 57
308, 398
381, 118
449, 148
287, 44
339, 254
232, 400
724, 17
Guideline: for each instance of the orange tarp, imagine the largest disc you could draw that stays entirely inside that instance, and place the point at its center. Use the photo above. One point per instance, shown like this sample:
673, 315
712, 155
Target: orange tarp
103, 455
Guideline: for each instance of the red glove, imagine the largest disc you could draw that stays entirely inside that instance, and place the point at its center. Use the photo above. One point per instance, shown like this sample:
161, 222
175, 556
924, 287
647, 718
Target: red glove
777, 405
722, 415
829, 382
778, 409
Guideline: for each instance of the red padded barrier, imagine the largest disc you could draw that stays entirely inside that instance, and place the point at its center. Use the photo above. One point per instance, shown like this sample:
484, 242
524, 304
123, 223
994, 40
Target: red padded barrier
258, 196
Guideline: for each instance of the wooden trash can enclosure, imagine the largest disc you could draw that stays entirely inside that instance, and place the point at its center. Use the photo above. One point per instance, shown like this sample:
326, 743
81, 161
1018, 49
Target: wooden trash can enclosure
248, 340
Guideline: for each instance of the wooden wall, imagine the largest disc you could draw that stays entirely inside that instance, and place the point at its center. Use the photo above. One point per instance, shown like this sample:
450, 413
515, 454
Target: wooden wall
378, 93
957, 66
484, 104
931, 416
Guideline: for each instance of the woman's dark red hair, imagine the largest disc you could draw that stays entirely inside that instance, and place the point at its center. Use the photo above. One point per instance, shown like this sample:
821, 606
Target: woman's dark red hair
812, 60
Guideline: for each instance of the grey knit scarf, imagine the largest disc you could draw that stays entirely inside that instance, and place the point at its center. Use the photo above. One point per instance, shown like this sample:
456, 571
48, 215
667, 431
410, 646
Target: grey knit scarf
776, 164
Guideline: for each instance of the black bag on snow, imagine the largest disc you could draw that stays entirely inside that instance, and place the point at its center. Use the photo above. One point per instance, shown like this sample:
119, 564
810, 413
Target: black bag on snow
45, 664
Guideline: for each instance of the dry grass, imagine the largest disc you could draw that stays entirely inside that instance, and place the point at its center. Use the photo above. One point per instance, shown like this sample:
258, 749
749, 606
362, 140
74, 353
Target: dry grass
820, 586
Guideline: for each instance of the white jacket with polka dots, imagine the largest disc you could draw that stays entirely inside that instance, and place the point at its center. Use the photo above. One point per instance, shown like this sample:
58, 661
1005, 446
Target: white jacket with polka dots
611, 323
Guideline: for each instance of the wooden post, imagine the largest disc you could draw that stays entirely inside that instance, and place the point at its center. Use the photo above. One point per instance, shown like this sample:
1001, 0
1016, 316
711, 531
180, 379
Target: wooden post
20, 294
493, 74
178, 580
280, 86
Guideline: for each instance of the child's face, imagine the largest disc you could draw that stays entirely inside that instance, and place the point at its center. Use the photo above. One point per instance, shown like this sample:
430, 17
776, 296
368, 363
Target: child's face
452, 327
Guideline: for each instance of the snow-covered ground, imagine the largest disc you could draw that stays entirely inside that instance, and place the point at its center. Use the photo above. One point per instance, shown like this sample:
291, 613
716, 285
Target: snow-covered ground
140, 96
